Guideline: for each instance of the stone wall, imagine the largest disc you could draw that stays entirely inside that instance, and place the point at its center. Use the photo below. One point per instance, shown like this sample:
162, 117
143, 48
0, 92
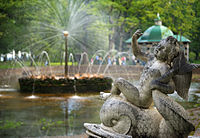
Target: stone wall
113, 71
130, 72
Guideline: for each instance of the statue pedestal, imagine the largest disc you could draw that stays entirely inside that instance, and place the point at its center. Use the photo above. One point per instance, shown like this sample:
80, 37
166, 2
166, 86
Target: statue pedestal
122, 119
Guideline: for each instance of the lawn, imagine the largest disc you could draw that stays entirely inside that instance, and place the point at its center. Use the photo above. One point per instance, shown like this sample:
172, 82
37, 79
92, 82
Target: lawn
11, 64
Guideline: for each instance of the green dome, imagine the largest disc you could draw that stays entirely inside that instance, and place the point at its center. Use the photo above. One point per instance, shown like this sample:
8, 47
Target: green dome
155, 33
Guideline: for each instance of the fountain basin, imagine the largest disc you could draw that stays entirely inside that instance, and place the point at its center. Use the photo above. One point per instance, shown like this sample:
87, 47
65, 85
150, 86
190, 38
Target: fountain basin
64, 85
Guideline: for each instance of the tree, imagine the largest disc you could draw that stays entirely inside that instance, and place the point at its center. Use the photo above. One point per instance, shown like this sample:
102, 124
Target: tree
93, 24
125, 16
23, 28
195, 31
115, 13
14, 19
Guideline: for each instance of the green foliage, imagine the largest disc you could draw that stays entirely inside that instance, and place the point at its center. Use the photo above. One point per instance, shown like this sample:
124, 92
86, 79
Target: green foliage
7, 124
12, 64
195, 31
193, 58
126, 16
47, 124
37, 25
13, 22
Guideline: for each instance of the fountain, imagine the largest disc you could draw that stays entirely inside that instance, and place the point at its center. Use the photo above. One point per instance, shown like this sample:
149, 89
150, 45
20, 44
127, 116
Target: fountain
127, 111
71, 20
76, 82
82, 77
68, 26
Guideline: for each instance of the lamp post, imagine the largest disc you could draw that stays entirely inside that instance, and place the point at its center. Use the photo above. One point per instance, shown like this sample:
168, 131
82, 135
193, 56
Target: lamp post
66, 57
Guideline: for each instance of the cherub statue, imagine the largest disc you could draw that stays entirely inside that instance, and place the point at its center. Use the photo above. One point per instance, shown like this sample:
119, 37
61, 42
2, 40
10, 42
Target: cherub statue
126, 110
157, 73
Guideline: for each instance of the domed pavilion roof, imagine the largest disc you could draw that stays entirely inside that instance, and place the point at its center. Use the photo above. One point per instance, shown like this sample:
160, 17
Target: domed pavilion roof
155, 33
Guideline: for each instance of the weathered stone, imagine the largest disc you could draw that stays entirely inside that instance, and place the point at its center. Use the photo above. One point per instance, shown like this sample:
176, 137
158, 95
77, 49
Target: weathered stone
127, 108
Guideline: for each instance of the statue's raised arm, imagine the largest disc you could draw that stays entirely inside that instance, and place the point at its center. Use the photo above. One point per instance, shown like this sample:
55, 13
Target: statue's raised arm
135, 47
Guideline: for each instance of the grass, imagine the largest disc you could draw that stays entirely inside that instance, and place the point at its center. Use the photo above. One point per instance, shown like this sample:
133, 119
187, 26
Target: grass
192, 58
58, 63
196, 61
10, 64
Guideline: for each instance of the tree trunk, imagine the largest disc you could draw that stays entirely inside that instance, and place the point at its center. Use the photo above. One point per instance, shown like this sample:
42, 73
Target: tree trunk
5, 58
111, 40
120, 42
121, 35
196, 56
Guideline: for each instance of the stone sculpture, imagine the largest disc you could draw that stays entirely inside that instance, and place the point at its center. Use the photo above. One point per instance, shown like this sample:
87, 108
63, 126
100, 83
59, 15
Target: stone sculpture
127, 111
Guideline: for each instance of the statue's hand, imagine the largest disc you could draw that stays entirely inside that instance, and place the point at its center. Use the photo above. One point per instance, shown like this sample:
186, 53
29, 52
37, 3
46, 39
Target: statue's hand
136, 48
153, 84
137, 34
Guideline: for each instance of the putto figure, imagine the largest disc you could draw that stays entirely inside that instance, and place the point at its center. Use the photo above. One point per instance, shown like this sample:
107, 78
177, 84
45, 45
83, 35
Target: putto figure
126, 111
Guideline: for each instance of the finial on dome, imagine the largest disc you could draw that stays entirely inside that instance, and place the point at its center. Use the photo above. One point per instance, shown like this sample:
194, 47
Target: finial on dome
158, 20
158, 15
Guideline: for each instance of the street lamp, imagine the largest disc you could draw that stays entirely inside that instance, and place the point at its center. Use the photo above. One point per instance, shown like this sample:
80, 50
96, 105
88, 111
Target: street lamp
65, 33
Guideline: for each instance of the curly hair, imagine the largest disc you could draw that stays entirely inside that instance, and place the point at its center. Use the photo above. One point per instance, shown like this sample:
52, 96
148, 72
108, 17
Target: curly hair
171, 46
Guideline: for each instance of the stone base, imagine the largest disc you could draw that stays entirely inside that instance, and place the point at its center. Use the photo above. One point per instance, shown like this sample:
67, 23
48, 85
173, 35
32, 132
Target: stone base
63, 85
95, 131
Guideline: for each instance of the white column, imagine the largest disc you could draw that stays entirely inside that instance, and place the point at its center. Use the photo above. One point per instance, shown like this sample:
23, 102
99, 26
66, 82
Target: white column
187, 45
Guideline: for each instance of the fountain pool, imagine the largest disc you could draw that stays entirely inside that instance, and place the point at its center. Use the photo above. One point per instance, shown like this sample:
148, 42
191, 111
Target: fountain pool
25, 115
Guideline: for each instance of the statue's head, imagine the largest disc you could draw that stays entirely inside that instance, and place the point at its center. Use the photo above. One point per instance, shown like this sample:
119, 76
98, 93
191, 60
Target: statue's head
167, 49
